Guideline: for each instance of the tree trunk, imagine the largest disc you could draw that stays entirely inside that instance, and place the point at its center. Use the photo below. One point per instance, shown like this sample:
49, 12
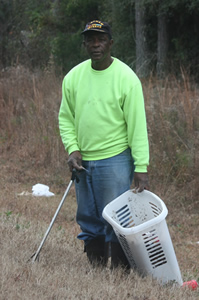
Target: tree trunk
162, 44
142, 62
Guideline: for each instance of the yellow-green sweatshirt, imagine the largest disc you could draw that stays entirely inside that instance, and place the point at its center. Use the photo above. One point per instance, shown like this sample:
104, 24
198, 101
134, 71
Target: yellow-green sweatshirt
102, 113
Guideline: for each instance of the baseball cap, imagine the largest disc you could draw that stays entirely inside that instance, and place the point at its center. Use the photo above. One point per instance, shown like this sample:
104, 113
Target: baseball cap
99, 26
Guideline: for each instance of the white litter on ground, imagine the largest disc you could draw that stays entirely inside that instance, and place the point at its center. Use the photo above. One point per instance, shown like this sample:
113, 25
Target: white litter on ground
41, 190
24, 193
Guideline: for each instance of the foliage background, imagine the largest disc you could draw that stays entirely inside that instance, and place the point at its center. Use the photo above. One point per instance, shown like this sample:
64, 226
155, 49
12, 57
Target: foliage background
36, 32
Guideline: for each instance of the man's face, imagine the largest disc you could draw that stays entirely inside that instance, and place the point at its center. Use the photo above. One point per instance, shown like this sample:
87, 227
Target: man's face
98, 45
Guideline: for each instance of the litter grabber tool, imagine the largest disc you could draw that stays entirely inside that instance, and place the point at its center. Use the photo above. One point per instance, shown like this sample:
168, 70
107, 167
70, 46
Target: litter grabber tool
74, 177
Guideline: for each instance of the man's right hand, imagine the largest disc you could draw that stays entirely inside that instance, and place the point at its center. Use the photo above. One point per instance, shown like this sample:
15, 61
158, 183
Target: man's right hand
75, 161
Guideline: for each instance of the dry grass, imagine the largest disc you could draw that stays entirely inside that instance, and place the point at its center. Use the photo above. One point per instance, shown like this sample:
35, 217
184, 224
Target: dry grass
31, 152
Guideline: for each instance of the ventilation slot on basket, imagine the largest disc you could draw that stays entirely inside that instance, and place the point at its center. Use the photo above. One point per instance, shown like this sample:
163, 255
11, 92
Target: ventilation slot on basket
154, 248
124, 217
155, 209
126, 249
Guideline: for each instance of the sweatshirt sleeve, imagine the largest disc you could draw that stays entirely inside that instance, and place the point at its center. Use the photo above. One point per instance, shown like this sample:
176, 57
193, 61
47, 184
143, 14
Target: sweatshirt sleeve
67, 119
134, 113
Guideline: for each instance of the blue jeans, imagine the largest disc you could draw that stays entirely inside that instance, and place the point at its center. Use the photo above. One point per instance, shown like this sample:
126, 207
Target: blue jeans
102, 182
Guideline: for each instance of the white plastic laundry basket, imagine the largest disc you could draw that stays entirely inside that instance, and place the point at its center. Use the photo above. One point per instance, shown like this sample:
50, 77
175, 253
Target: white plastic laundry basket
138, 220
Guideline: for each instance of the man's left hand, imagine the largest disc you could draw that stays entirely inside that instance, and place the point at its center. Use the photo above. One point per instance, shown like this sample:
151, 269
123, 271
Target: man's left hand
141, 181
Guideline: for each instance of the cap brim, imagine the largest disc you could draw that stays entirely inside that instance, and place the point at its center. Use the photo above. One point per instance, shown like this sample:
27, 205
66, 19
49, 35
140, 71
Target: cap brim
88, 30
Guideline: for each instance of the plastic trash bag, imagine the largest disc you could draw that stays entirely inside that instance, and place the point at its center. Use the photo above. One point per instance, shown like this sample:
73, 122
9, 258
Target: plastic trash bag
41, 190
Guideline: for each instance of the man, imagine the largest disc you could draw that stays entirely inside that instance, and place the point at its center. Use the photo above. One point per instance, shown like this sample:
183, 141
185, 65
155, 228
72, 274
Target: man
103, 128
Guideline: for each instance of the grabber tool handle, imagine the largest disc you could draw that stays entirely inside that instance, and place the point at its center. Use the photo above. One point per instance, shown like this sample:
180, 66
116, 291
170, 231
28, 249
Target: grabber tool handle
73, 177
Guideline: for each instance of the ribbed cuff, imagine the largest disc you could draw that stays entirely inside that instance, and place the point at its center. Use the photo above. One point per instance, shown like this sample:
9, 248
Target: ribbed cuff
141, 169
72, 149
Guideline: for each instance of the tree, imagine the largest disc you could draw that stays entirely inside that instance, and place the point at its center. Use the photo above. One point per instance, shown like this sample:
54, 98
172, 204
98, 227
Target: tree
120, 15
162, 42
142, 62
